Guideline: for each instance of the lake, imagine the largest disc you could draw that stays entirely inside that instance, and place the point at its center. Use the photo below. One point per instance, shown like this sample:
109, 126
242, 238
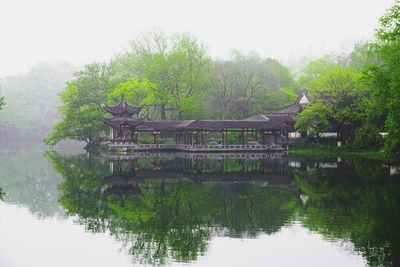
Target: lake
76, 209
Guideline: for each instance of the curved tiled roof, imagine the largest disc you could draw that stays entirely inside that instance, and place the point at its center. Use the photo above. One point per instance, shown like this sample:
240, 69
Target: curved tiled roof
273, 122
122, 107
118, 121
294, 108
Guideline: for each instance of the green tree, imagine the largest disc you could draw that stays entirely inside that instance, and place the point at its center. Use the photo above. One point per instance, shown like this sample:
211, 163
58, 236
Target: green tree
363, 55
81, 111
386, 77
342, 91
314, 119
32, 101
246, 85
314, 69
179, 65
2, 102
140, 92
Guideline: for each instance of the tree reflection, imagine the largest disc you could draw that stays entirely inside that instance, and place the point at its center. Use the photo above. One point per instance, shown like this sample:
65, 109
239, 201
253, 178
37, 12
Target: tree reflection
355, 202
29, 180
167, 212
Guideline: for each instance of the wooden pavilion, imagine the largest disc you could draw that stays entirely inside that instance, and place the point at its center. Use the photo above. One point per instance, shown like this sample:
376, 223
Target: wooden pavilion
257, 133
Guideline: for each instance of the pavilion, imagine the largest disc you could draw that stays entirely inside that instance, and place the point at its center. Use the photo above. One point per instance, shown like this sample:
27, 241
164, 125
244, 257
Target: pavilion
273, 131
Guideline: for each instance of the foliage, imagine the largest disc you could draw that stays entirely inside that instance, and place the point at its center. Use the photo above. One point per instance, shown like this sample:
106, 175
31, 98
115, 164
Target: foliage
178, 64
368, 137
314, 69
27, 179
246, 84
356, 204
81, 107
363, 55
139, 92
386, 77
159, 219
342, 91
314, 119
32, 100
2, 102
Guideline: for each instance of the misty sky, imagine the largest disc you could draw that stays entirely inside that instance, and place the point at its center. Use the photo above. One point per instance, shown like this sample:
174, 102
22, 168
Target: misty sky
83, 31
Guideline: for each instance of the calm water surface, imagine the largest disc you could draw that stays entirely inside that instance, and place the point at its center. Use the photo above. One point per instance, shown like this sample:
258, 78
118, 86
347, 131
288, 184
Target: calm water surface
71, 209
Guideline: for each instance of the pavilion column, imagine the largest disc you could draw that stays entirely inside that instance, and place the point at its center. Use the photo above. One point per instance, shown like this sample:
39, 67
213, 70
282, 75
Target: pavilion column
242, 136
111, 167
111, 133
223, 137
137, 137
263, 137
155, 137
191, 138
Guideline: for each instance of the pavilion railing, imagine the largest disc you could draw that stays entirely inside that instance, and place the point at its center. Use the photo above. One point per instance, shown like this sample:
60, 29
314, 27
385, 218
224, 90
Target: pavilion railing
184, 147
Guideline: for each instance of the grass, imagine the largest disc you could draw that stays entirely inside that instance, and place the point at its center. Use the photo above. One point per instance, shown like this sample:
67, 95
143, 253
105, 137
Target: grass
331, 151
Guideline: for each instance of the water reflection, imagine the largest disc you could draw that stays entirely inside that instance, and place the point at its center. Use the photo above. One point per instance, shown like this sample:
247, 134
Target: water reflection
29, 180
168, 207
1, 193
358, 202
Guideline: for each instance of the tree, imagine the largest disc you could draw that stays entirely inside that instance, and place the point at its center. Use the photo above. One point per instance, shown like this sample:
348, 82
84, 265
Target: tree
314, 119
314, 69
363, 55
32, 100
341, 90
386, 77
179, 65
243, 85
2, 102
140, 92
80, 108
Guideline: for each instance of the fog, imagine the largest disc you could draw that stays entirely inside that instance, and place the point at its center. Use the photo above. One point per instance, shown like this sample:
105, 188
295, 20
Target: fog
81, 32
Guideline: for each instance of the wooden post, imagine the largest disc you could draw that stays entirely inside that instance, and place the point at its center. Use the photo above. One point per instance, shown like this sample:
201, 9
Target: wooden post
111, 133
263, 137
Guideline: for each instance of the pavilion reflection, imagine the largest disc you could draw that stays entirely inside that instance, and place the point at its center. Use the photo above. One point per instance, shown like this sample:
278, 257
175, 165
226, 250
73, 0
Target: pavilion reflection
126, 174
167, 208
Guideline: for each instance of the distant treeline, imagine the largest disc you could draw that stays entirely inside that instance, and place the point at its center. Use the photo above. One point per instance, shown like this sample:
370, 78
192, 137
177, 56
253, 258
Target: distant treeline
31, 101
173, 77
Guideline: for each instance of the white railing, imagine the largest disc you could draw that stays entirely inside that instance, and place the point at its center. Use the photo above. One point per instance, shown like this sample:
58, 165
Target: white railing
183, 147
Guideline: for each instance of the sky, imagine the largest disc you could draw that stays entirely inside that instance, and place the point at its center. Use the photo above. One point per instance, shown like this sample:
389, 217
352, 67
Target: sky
86, 31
